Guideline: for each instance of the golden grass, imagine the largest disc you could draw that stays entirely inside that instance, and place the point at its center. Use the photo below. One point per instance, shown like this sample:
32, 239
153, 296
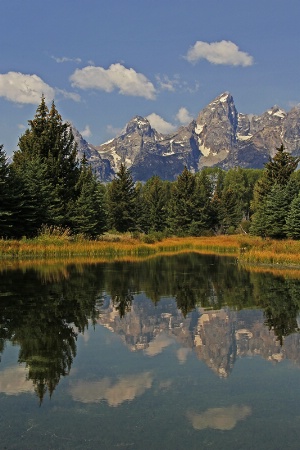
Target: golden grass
248, 249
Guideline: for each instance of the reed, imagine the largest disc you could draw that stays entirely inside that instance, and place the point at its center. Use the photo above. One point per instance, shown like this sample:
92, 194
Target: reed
247, 249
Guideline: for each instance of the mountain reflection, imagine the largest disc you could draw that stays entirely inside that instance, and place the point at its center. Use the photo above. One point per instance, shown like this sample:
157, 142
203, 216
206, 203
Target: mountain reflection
203, 304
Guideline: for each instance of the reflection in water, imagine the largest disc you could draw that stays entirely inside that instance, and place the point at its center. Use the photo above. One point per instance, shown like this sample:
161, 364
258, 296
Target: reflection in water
219, 418
40, 317
115, 393
200, 302
14, 381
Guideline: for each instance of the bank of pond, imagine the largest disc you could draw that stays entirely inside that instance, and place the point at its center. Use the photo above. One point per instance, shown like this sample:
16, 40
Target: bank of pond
247, 249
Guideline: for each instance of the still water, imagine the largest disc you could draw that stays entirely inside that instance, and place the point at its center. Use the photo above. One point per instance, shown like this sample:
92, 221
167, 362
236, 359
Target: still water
181, 352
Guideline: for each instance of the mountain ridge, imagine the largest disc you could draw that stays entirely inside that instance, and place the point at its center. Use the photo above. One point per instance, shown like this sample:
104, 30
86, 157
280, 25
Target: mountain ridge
220, 136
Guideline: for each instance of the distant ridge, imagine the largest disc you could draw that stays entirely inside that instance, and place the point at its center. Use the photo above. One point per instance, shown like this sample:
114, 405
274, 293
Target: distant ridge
218, 137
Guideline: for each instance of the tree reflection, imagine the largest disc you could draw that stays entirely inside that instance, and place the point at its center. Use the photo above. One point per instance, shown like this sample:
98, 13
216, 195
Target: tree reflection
122, 303
44, 319
186, 299
280, 299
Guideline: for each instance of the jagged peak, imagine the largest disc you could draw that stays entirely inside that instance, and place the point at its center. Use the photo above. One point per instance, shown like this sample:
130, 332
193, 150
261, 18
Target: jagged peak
139, 124
276, 111
225, 97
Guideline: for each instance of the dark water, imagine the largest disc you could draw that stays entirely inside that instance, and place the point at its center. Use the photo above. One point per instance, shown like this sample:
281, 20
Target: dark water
185, 352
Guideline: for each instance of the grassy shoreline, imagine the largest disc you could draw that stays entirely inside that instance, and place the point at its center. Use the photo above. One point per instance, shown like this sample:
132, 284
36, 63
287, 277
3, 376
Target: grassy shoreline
247, 249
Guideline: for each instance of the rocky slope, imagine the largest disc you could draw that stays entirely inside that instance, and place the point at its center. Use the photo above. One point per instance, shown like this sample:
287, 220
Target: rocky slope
219, 136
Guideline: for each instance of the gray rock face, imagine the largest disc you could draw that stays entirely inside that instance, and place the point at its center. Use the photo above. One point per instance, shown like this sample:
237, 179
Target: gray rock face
220, 136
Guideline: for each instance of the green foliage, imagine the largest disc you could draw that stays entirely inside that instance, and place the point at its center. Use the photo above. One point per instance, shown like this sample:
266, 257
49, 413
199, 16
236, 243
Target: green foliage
5, 206
121, 196
293, 219
88, 214
182, 204
47, 156
273, 194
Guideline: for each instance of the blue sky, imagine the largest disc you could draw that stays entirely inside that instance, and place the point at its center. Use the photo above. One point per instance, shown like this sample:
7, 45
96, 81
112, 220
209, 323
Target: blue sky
103, 62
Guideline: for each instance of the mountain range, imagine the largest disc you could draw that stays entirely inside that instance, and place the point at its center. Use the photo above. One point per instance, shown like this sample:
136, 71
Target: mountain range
219, 137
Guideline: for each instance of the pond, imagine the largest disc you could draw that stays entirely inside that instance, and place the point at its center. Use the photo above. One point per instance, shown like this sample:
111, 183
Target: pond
173, 352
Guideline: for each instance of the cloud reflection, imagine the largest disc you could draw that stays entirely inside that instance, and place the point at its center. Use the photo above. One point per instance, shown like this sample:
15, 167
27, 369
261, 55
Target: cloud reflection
160, 342
126, 388
13, 381
219, 418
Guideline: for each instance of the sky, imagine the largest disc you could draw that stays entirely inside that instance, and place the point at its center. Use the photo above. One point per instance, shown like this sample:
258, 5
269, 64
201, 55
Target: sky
104, 62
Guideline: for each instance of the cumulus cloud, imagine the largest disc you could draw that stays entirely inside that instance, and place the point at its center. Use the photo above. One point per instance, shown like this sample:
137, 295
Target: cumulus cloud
219, 418
125, 389
160, 124
86, 133
183, 116
13, 381
126, 81
223, 52
22, 88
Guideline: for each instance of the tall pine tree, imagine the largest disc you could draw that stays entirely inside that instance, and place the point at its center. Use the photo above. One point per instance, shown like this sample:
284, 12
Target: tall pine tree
121, 196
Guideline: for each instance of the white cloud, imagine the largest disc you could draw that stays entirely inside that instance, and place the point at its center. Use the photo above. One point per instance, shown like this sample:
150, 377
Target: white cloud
160, 124
86, 133
166, 84
66, 59
115, 393
183, 116
114, 131
223, 52
22, 88
69, 95
219, 418
127, 81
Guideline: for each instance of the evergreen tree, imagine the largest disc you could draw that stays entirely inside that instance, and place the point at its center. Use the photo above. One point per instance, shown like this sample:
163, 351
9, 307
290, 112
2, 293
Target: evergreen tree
202, 221
121, 196
274, 182
155, 204
88, 212
293, 219
5, 211
50, 142
182, 204
34, 193
276, 209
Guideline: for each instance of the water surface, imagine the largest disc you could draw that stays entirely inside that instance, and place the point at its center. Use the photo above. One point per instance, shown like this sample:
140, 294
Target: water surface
179, 352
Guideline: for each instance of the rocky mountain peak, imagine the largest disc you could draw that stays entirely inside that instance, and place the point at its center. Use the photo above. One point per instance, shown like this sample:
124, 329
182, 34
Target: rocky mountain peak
140, 125
220, 136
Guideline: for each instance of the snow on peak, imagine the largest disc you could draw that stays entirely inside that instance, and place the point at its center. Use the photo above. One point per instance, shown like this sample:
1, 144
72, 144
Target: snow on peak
224, 97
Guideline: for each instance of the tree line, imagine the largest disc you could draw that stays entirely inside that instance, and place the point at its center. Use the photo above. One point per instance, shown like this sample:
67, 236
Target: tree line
46, 184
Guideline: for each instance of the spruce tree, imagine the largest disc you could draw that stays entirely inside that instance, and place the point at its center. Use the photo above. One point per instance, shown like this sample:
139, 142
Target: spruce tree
88, 214
293, 219
155, 204
182, 204
48, 144
273, 183
121, 196
5, 210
